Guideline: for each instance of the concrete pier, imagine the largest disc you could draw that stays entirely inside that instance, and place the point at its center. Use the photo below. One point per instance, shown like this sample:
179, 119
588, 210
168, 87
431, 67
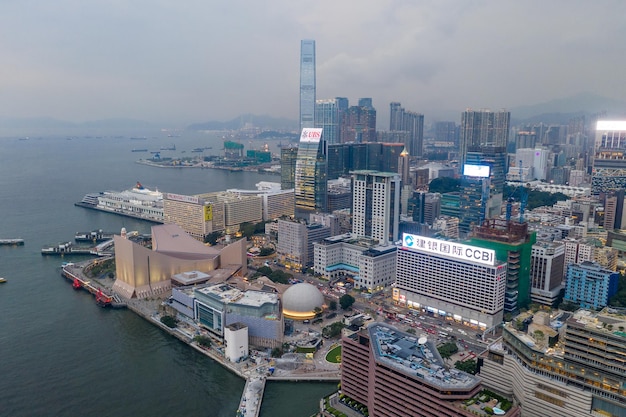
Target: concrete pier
250, 404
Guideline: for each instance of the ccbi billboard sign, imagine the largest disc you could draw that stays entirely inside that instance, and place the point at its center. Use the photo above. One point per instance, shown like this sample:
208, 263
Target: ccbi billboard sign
311, 134
449, 249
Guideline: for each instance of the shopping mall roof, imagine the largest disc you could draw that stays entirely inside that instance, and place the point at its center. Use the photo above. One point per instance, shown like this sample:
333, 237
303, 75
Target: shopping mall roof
416, 356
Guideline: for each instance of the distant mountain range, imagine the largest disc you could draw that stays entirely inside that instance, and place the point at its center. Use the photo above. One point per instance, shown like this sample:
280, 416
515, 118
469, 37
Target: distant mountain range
558, 111
49, 123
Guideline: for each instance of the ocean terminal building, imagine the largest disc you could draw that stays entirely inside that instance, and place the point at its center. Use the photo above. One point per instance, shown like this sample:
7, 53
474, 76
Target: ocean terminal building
451, 280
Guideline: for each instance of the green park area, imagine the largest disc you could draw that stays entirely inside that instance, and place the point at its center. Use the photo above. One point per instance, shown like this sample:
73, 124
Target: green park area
334, 355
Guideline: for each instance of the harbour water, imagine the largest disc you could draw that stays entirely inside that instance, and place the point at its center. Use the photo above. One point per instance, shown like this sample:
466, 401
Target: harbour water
60, 354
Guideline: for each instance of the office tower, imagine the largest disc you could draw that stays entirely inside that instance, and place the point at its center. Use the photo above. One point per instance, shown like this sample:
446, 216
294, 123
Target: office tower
328, 117
307, 84
483, 128
581, 376
450, 204
310, 177
376, 205
288, 156
339, 194
404, 168
374, 156
546, 272
359, 124
482, 185
411, 123
609, 163
424, 207
513, 244
590, 285
464, 283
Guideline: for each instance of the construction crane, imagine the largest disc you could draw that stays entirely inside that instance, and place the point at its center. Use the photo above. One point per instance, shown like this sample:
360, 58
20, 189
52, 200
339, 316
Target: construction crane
523, 198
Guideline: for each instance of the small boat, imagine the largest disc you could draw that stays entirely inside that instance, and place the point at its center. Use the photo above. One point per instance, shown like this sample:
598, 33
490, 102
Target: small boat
2, 280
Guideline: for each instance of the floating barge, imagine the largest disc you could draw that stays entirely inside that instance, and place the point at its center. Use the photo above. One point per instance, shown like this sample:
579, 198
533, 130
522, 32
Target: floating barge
12, 242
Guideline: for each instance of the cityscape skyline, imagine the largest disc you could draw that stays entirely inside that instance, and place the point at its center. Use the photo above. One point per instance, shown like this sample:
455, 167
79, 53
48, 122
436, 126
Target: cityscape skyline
431, 57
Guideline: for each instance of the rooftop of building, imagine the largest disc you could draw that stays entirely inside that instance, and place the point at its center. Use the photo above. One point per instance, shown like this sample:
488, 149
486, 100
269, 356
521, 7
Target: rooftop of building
610, 320
541, 327
416, 356
367, 243
376, 173
172, 240
231, 295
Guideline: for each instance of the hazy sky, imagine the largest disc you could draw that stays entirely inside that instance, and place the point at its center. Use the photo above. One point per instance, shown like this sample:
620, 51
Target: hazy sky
177, 62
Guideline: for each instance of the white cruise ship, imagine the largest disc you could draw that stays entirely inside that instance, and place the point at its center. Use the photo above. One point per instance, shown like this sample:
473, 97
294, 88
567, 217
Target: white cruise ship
138, 202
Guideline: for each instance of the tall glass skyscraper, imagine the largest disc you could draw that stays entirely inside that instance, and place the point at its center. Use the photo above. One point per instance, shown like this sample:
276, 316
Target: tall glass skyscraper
310, 176
328, 117
307, 84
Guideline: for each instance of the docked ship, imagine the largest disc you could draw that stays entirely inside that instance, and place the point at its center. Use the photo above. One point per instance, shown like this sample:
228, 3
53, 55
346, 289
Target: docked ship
139, 202
13, 242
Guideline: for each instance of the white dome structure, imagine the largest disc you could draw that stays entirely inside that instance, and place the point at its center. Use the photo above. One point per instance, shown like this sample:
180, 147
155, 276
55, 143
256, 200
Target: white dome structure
301, 300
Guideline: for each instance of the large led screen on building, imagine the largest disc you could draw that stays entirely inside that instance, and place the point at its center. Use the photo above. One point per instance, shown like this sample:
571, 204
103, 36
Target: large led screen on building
449, 249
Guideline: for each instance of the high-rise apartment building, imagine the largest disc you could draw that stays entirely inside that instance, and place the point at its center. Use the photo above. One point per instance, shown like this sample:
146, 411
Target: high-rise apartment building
310, 176
447, 132
590, 285
359, 123
307, 84
410, 122
609, 162
376, 205
525, 139
483, 128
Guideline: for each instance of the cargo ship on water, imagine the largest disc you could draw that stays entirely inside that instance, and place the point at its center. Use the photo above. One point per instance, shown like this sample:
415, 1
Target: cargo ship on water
139, 202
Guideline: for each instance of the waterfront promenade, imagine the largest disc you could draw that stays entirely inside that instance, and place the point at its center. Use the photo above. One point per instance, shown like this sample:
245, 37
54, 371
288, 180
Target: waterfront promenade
255, 369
